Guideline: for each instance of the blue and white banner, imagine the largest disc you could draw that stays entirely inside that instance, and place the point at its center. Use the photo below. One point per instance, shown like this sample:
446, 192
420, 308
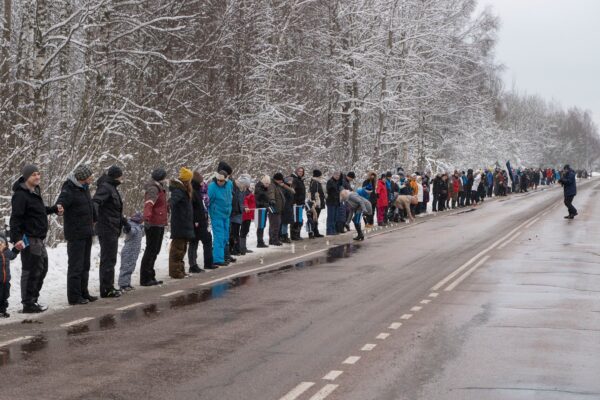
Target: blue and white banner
260, 218
299, 214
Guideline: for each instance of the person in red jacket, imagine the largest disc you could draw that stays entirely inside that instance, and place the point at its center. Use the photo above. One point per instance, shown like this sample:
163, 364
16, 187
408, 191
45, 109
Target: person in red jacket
247, 218
382, 200
156, 217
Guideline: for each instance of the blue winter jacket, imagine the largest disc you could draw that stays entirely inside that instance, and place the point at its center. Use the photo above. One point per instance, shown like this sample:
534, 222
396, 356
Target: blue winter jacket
362, 192
569, 183
220, 200
490, 179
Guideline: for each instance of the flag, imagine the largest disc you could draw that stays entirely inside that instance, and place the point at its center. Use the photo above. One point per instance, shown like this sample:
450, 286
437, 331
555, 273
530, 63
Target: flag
260, 218
298, 214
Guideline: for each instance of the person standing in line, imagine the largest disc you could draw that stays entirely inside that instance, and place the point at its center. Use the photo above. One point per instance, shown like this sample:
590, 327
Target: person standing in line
333, 203
156, 217
262, 199
131, 251
6, 256
79, 220
28, 230
109, 208
201, 232
317, 197
182, 221
220, 194
299, 200
247, 218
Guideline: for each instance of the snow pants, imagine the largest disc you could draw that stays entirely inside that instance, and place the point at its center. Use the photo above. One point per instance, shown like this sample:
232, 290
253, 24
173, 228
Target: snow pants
220, 230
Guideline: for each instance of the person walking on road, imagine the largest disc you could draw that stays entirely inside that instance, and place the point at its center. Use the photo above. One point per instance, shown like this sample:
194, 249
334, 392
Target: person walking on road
569, 184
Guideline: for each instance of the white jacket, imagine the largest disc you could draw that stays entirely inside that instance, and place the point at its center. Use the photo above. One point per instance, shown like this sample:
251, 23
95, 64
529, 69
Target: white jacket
476, 182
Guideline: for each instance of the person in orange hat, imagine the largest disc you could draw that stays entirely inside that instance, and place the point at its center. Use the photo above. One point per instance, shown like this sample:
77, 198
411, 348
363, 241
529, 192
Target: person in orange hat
182, 221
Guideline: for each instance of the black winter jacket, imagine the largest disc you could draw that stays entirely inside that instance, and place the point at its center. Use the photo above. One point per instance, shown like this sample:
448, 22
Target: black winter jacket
261, 194
299, 188
199, 210
317, 188
29, 213
333, 192
80, 213
182, 212
109, 207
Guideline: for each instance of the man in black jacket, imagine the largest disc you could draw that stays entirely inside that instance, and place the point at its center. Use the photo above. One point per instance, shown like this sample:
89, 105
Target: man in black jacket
28, 230
80, 217
299, 200
333, 202
317, 201
109, 208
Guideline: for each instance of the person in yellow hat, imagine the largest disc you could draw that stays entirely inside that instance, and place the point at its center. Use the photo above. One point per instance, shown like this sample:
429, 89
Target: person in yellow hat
182, 221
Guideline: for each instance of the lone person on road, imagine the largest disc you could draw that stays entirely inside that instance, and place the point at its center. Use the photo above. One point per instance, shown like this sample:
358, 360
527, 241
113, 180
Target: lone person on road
570, 189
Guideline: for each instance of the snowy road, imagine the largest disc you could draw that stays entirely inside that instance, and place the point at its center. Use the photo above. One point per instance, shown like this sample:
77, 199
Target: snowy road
498, 303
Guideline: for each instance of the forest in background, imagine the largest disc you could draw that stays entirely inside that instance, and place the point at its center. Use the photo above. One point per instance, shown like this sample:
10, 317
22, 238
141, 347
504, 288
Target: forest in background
266, 85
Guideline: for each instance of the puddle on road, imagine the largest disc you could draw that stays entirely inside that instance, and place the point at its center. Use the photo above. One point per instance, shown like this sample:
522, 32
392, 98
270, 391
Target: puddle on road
75, 335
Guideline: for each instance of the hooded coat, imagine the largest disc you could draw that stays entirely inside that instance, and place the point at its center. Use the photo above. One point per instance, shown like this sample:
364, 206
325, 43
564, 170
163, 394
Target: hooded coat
109, 207
29, 213
182, 212
80, 213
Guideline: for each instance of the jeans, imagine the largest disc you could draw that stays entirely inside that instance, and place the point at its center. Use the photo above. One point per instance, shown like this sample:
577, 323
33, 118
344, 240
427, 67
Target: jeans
569, 204
332, 211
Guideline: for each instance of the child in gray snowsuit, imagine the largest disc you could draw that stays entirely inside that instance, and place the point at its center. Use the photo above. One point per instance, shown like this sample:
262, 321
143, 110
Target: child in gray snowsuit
131, 251
5, 256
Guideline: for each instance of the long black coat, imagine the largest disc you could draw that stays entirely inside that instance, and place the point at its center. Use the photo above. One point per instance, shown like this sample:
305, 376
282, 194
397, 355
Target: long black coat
80, 213
261, 194
29, 213
182, 212
199, 210
109, 207
333, 192
299, 188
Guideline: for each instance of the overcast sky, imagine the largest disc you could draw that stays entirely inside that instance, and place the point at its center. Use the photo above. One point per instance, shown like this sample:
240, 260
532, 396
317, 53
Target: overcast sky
551, 48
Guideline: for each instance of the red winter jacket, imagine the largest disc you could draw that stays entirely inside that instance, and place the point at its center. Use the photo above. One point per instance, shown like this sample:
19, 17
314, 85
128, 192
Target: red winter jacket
250, 203
156, 209
382, 194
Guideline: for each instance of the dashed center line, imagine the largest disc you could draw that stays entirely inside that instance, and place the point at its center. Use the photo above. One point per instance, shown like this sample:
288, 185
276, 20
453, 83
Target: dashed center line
351, 360
406, 316
368, 347
416, 309
425, 301
15, 340
324, 392
395, 325
76, 322
332, 375
383, 336
434, 295
297, 391
129, 306
172, 293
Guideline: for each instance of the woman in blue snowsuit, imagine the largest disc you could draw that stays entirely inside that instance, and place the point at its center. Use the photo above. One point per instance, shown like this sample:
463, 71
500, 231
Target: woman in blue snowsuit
220, 194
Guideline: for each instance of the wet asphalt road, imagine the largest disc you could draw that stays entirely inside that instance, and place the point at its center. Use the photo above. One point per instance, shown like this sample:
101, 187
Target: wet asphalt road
521, 324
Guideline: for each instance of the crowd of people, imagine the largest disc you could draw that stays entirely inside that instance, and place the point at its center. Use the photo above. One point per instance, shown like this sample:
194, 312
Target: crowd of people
219, 213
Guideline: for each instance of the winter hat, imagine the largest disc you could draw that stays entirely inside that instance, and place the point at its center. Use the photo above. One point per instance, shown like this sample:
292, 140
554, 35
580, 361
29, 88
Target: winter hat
223, 166
197, 177
115, 172
388, 174
185, 175
82, 172
159, 174
567, 167
351, 175
244, 181
137, 217
278, 177
317, 173
369, 188
29, 170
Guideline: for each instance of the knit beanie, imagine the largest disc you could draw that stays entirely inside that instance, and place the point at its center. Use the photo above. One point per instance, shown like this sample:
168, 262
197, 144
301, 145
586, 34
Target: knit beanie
28, 170
185, 175
159, 174
278, 177
317, 173
82, 172
223, 166
351, 175
114, 172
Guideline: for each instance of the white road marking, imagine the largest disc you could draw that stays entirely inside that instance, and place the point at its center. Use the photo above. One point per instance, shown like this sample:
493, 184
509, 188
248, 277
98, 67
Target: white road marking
297, 391
129, 306
532, 222
368, 347
351, 360
434, 295
466, 274
324, 392
480, 254
249, 271
76, 322
332, 375
15, 340
383, 336
425, 301
416, 309
406, 316
503, 245
395, 325
172, 293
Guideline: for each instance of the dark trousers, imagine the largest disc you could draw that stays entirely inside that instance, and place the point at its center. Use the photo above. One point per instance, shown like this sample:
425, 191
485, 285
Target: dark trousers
34, 261
234, 238
177, 253
274, 227
436, 200
204, 236
109, 246
260, 236
370, 218
441, 203
245, 229
569, 204
332, 212
4, 295
296, 230
154, 238
78, 271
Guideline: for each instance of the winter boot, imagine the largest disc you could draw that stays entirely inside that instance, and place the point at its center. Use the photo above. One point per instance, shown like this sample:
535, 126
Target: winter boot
195, 269
284, 239
359, 237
